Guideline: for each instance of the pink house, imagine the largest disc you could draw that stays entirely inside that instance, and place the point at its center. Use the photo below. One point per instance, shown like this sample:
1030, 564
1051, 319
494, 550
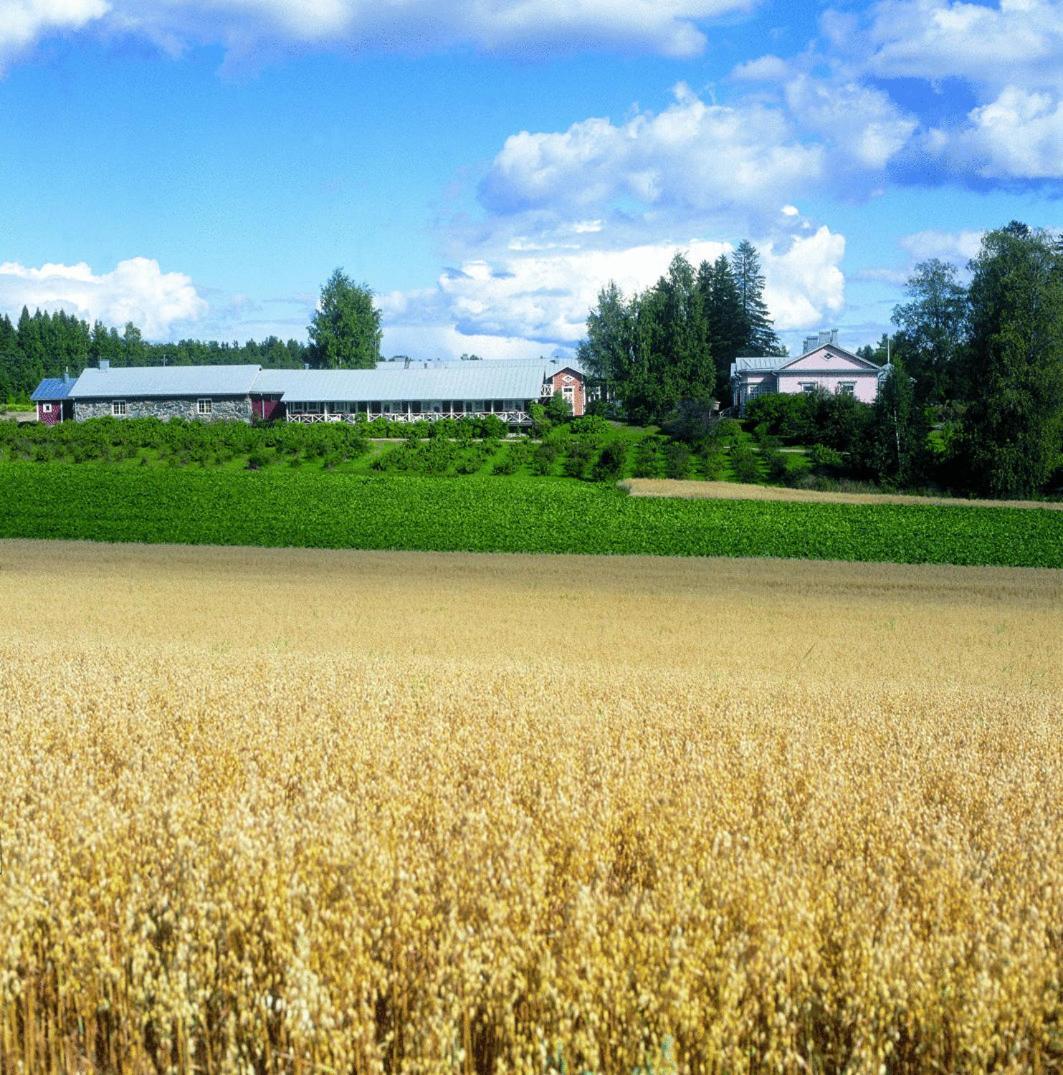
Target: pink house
824, 367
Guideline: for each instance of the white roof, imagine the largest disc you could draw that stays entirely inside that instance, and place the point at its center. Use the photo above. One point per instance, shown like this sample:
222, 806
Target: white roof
472, 380
164, 381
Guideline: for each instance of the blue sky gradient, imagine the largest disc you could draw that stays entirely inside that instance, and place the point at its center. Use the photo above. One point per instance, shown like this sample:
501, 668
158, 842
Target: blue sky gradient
200, 167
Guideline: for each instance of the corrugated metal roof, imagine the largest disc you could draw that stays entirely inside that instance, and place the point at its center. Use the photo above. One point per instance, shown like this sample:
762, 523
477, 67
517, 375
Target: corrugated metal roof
164, 381
51, 389
274, 381
548, 365
479, 380
760, 364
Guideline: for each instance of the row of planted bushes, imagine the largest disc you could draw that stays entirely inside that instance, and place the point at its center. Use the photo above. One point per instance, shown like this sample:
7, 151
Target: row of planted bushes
279, 507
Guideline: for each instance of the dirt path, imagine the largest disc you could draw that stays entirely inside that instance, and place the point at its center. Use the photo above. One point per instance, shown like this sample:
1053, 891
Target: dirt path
695, 490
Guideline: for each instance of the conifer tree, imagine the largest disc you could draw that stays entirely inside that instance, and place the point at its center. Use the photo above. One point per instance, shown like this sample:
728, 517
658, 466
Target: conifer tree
723, 308
758, 335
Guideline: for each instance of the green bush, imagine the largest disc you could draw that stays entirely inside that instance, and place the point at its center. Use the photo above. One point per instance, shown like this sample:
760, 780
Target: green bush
610, 464
310, 507
648, 457
744, 464
676, 460
545, 458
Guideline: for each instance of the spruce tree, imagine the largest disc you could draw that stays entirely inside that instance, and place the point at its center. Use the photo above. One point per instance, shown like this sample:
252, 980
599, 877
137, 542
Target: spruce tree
723, 308
758, 335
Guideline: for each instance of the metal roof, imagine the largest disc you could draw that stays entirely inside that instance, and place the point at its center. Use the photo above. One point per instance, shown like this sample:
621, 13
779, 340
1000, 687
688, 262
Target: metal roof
165, 381
274, 381
548, 365
761, 364
51, 389
472, 380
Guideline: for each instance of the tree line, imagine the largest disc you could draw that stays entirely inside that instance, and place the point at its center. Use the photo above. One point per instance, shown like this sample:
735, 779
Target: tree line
344, 332
983, 361
45, 344
673, 344
979, 361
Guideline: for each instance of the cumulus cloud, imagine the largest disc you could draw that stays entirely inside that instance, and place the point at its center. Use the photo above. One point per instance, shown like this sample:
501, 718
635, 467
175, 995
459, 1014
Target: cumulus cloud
520, 303
804, 281
669, 27
692, 155
957, 246
23, 21
1014, 40
1019, 135
135, 290
763, 69
862, 121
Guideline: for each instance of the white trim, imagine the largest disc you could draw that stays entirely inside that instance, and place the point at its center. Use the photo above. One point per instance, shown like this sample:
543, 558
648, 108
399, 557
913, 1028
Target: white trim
204, 406
119, 408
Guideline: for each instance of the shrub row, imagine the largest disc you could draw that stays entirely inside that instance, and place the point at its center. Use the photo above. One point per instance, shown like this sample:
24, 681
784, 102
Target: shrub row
280, 507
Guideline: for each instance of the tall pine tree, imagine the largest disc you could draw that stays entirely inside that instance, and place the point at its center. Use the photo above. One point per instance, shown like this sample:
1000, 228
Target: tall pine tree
723, 307
758, 334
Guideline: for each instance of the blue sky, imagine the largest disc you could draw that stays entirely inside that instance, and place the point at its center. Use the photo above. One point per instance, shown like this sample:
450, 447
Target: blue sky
200, 166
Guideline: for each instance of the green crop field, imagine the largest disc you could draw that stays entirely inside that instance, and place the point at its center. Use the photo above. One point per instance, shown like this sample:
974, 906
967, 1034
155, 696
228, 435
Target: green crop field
280, 507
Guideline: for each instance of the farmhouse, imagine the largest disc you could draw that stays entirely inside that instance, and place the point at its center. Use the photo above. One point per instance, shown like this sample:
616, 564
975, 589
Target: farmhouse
822, 367
403, 393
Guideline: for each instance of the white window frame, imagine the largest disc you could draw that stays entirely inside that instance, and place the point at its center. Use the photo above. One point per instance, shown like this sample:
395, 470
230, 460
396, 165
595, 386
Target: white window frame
847, 388
808, 387
119, 408
46, 408
204, 406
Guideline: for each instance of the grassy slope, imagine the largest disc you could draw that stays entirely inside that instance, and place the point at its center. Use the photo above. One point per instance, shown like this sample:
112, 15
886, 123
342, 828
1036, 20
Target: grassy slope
278, 507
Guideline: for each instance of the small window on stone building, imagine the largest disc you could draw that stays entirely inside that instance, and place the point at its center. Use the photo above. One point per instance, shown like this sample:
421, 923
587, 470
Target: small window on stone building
204, 406
118, 408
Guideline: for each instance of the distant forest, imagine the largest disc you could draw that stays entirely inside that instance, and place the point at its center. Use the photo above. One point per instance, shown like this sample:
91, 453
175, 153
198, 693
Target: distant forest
44, 344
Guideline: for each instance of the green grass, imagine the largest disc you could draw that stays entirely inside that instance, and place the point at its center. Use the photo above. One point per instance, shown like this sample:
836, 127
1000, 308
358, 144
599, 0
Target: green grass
279, 506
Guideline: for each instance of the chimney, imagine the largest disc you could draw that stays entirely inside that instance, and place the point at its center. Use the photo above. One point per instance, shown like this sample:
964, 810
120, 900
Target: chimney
406, 364
105, 364
306, 365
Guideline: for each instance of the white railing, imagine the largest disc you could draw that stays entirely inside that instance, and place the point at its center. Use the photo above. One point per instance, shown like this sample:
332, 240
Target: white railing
509, 417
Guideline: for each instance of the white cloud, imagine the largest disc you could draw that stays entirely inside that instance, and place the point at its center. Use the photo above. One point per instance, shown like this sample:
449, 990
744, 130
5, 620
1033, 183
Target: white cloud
862, 121
524, 304
23, 21
1017, 136
957, 246
1015, 40
136, 290
763, 69
805, 281
669, 27
692, 155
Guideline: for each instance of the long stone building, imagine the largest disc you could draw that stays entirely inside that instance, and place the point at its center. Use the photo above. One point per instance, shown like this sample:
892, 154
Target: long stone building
404, 393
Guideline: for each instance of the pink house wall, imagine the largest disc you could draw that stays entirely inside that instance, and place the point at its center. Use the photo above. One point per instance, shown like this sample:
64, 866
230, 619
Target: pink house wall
865, 382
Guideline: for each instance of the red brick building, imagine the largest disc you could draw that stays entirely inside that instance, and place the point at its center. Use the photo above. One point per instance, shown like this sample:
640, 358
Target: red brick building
568, 382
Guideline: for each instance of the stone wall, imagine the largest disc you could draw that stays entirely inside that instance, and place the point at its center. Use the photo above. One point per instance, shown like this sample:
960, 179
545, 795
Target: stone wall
237, 408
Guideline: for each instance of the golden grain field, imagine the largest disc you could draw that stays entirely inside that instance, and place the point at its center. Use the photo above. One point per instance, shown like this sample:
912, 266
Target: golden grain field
309, 811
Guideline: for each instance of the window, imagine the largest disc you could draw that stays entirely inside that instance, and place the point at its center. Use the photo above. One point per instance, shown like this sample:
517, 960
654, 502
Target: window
47, 408
809, 387
118, 408
847, 388
204, 406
